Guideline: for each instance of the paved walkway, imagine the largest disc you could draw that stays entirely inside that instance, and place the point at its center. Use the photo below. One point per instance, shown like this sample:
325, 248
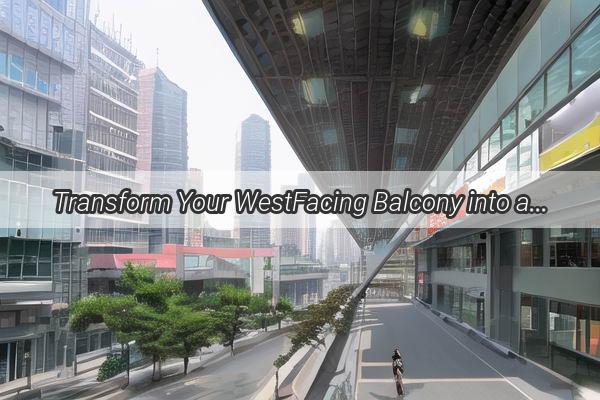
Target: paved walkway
442, 362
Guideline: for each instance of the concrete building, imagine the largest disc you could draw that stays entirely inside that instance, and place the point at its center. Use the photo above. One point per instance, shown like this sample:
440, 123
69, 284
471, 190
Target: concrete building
253, 167
111, 142
43, 115
200, 268
337, 245
301, 280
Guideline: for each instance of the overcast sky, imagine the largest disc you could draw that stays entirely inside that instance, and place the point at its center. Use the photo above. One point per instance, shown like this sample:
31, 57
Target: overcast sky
194, 55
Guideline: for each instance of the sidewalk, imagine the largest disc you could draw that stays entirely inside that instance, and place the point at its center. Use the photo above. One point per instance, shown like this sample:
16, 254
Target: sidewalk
50, 386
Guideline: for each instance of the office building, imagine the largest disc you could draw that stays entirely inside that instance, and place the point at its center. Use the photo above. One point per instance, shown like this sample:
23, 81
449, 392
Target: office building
111, 143
162, 147
43, 115
253, 171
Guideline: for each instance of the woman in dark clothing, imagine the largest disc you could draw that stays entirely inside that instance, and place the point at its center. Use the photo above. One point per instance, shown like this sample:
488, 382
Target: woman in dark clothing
398, 370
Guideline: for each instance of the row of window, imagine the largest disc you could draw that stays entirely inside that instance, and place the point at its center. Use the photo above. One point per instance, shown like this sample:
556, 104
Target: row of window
74, 9
102, 132
572, 68
468, 257
110, 110
22, 213
20, 160
103, 160
563, 247
25, 259
551, 323
38, 28
112, 89
132, 67
464, 304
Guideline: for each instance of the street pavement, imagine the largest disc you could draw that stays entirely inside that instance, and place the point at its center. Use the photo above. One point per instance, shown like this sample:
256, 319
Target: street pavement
441, 362
237, 377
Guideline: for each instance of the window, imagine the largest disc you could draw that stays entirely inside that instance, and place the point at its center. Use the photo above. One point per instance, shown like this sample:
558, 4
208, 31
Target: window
557, 80
494, 144
586, 53
190, 261
595, 232
105, 340
568, 325
526, 158
534, 328
531, 105
484, 152
532, 248
568, 247
594, 331
43, 67
3, 60
16, 68
509, 131
8, 319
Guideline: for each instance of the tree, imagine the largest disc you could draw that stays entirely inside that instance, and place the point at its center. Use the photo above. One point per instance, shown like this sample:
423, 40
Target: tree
136, 315
189, 329
283, 309
231, 304
336, 310
260, 308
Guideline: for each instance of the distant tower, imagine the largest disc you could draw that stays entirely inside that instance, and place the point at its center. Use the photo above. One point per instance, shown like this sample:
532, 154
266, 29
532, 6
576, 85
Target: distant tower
253, 171
162, 146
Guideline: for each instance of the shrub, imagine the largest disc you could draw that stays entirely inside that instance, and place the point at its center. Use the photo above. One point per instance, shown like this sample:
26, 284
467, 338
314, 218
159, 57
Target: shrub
113, 365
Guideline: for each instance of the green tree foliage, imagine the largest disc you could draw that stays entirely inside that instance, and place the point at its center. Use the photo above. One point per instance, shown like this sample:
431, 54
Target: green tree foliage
164, 321
189, 329
230, 305
283, 309
260, 307
334, 311
140, 314
112, 366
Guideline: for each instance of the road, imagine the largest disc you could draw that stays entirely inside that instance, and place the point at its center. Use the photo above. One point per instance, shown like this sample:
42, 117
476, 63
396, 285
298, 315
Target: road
228, 379
441, 362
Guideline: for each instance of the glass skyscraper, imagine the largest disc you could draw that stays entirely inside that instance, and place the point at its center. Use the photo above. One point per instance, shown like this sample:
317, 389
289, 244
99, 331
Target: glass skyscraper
253, 167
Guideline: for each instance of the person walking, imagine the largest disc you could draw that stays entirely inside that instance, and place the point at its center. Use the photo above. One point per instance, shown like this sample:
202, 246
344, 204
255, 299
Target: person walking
398, 370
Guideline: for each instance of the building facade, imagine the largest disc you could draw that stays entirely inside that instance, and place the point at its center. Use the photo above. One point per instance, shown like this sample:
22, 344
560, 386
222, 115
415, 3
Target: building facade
162, 146
253, 171
533, 290
111, 143
43, 115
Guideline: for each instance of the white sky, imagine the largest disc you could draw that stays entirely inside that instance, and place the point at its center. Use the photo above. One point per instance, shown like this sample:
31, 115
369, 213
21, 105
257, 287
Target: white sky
193, 54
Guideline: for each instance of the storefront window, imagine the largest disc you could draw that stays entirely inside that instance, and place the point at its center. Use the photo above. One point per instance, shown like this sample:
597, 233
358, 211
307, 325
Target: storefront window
534, 328
586, 53
531, 105
567, 325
